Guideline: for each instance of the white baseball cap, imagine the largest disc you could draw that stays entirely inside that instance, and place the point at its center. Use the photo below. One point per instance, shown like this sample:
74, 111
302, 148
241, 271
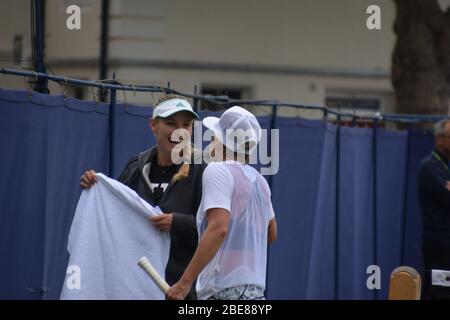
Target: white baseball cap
169, 107
235, 128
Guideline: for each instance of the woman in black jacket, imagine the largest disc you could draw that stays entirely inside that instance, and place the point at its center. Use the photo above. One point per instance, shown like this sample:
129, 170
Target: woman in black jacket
175, 188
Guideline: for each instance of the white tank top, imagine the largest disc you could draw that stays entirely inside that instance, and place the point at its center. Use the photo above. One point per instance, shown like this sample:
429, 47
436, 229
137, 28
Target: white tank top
241, 259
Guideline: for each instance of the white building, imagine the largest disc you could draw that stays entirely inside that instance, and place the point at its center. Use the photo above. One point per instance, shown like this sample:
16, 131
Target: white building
313, 52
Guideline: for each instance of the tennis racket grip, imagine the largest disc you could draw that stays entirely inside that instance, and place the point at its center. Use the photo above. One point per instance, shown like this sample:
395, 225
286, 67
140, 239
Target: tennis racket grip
154, 275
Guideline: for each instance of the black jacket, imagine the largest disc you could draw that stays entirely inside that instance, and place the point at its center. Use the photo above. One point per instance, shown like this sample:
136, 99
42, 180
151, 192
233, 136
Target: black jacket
433, 195
181, 198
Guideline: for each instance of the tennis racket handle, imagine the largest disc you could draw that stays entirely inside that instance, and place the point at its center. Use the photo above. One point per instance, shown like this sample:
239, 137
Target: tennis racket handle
154, 275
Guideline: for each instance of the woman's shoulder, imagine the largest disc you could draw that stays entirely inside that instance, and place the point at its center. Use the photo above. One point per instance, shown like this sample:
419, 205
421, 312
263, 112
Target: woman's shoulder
216, 169
216, 166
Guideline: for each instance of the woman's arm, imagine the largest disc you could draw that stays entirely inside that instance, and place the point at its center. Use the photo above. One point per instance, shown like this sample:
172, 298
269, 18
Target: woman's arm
213, 237
272, 233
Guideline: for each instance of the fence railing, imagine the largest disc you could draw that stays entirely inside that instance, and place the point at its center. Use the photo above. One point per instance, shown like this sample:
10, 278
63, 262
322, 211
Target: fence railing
225, 101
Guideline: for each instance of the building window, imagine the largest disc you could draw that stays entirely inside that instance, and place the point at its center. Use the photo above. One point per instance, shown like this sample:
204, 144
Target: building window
77, 92
353, 104
232, 93
17, 48
359, 104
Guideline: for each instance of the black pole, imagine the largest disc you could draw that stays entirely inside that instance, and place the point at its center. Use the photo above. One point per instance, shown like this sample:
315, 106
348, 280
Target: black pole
375, 196
337, 212
38, 6
273, 120
195, 100
405, 198
272, 126
104, 34
112, 129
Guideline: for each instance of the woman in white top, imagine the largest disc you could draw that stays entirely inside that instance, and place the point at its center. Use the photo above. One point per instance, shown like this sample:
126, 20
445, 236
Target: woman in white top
235, 220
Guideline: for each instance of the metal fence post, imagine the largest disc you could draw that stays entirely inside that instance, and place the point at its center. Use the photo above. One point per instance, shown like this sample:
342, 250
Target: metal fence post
336, 223
375, 195
112, 128
195, 100
39, 21
269, 141
405, 196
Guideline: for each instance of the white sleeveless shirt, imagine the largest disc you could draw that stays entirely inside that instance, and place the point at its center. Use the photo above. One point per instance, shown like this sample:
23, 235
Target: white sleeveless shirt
241, 259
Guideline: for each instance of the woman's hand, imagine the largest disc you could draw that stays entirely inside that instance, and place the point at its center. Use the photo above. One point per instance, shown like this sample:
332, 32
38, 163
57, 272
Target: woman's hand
179, 290
88, 179
162, 222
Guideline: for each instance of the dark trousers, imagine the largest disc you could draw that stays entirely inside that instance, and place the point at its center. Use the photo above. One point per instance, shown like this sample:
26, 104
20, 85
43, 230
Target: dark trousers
436, 255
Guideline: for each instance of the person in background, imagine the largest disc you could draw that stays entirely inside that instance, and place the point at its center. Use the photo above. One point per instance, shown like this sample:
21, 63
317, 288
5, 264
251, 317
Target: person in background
434, 197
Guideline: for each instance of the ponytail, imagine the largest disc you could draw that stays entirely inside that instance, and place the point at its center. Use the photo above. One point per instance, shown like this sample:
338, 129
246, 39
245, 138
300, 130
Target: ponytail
183, 172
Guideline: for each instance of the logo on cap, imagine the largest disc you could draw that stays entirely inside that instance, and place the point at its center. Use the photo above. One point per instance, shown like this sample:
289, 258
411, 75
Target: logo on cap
180, 105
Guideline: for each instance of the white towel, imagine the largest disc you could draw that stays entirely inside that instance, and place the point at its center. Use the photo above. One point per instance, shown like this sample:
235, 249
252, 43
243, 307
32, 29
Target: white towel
109, 233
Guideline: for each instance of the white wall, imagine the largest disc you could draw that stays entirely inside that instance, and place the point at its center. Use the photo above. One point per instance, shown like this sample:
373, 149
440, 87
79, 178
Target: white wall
324, 35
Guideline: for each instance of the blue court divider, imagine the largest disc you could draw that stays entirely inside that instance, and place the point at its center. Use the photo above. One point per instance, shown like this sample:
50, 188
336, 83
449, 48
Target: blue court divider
355, 249
391, 171
323, 195
46, 144
300, 194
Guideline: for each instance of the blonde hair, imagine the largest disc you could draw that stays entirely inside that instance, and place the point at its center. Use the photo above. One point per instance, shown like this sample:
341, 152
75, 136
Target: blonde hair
168, 96
183, 172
